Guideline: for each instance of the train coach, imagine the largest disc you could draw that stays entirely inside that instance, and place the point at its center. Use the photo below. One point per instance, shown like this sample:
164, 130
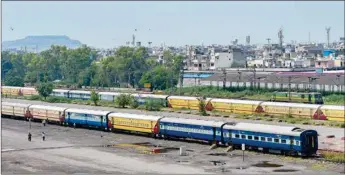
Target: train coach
180, 102
145, 124
20, 110
87, 118
234, 106
52, 114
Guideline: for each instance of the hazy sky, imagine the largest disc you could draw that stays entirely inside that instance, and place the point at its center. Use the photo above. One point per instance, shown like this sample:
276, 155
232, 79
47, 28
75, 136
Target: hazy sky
109, 24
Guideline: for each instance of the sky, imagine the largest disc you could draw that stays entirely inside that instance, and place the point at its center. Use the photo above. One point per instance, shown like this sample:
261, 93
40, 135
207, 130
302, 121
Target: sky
109, 24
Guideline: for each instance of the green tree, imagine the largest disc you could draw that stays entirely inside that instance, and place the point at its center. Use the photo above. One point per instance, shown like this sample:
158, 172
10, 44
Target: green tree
12, 79
45, 89
202, 106
159, 77
123, 100
94, 97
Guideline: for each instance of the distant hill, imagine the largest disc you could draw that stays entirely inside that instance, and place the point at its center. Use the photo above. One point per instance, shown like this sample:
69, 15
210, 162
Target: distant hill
42, 43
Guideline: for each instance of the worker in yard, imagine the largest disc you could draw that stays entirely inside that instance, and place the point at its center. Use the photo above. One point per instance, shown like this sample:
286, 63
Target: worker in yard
44, 122
29, 137
74, 125
43, 136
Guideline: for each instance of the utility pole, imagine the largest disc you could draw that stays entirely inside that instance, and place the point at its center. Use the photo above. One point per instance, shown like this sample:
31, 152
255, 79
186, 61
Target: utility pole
224, 78
289, 88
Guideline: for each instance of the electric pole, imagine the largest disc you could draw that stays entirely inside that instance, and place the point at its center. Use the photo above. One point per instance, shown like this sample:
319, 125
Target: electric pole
224, 78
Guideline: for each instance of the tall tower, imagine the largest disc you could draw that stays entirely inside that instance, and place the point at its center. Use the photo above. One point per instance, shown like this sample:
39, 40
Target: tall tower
281, 37
268, 40
133, 40
328, 35
248, 40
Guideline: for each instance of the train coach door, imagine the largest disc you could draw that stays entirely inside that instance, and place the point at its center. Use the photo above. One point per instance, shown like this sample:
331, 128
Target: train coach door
214, 134
292, 140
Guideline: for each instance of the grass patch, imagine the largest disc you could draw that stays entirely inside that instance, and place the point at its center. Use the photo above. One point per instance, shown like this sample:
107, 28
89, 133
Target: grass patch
333, 156
318, 166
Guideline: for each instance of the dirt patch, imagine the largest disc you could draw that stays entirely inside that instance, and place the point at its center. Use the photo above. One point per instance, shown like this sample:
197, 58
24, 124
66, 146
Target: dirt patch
266, 164
284, 170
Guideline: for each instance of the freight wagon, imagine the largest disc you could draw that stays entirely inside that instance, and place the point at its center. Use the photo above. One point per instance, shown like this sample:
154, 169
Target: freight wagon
296, 97
143, 98
14, 109
334, 113
27, 91
293, 109
10, 90
180, 102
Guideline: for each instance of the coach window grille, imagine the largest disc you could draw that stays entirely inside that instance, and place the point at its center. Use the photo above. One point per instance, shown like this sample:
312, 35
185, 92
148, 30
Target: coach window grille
243, 136
283, 141
250, 137
256, 138
262, 139
269, 139
276, 140
237, 136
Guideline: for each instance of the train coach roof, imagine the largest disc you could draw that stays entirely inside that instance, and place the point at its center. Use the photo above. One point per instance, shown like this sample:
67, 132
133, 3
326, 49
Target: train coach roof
55, 108
80, 92
299, 105
86, 111
29, 88
11, 87
183, 97
111, 93
150, 96
192, 121
60, 90
334, 107
134, 116
236, 101
14, 104
263, 128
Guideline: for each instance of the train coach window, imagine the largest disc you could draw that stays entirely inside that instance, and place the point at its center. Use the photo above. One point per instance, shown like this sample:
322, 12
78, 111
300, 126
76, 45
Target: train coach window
297, 143
243, 136
276, 140
262, 139
237, 135
250, 137
283, 141
269, 139
256, 138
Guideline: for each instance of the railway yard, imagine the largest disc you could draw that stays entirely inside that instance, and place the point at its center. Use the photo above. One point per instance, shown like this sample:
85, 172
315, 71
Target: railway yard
69, 150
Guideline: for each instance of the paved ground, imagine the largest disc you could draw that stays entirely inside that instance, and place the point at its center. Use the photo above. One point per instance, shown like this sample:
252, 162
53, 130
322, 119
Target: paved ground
324, 143
71, 151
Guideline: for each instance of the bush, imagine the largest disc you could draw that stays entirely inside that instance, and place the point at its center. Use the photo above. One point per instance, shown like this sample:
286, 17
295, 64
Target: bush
153, 105
334, 156
134, 103
56, 100
123, 100
34, 97
141, 107
202, 107
94, 97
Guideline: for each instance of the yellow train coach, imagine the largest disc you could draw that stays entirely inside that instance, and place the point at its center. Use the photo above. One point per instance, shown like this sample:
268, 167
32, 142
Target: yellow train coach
135, 123
334, 113
293, 109
178, 102
14, 109
234, 106
10, 90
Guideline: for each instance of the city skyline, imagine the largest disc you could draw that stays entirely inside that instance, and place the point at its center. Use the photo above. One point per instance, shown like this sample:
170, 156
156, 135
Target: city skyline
110, 24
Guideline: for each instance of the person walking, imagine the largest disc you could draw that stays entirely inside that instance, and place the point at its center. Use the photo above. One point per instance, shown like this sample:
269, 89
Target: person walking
29, 137
44, 122
43, 136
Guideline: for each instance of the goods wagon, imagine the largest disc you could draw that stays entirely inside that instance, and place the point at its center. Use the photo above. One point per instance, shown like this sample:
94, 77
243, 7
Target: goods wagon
293, 109
15, 109
90, 118
143, 98
27, 91
179, 102
49, 113
82, 95
234, 106
134, 123
284, 139
60, 93
10, 90
296, 97
335, 113
190, 128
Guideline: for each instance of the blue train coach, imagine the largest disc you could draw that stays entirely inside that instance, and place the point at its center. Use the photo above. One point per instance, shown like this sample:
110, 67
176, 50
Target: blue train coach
90, 118
285, 139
